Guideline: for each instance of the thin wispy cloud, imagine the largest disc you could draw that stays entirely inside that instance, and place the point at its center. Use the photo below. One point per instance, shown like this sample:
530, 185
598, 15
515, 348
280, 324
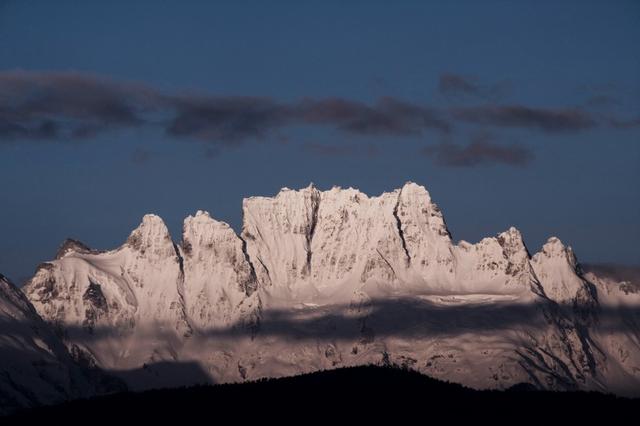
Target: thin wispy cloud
68, 105
482, 150
624, 123
520, 116
388, 116
457, 86
602, 101
228, 120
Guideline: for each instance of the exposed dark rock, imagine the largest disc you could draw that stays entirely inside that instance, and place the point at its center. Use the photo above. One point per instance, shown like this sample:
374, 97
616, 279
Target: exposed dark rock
71, 245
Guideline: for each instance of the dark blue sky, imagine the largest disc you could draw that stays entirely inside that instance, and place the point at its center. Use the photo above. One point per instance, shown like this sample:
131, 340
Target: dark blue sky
510, 113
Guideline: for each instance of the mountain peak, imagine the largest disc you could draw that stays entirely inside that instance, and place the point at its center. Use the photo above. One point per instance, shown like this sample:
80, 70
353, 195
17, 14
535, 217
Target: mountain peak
415, 207
511, 237
152, 234
204, 230
556, 268
151, 219
418, 194
555, 248
71, 246
202, 218
410, 186
203, 213
553, 244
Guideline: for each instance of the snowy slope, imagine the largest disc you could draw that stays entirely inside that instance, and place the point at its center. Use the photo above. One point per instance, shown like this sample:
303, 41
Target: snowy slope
123, 307
618, 332
35, 367
318, 279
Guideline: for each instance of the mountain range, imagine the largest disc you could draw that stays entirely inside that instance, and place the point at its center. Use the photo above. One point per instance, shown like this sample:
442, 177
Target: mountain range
315, 280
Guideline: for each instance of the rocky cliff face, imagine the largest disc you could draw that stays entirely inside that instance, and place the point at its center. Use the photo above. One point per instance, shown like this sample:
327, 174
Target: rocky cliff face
318, 279
221, 283
310, 244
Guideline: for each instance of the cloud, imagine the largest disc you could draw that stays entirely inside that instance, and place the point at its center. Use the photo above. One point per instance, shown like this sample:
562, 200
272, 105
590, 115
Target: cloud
12, 129
481, 151
228, 120
70, 105
601, 96
547, 119
64, 106
602, 101
624, 124
79, 106
618, 273
455, 85
233, 120
388, 116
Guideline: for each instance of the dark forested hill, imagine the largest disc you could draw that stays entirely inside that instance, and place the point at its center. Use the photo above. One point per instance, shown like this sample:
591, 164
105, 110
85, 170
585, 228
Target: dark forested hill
358, 393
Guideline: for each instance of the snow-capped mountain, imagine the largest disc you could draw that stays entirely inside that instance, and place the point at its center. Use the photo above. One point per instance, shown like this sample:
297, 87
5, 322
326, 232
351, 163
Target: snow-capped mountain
319, 279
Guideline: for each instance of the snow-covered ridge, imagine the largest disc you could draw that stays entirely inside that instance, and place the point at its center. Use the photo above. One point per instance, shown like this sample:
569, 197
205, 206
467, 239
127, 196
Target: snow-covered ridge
397, 237
324, 278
